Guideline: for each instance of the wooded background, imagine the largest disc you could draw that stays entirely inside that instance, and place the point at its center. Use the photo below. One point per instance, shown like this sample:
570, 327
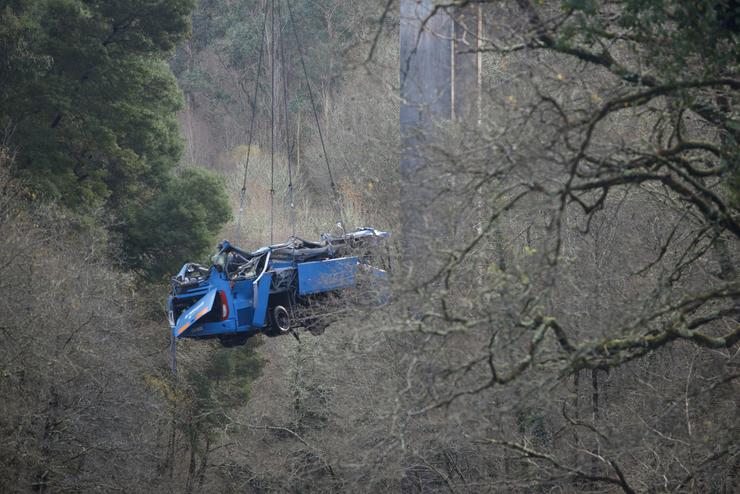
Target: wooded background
562, 185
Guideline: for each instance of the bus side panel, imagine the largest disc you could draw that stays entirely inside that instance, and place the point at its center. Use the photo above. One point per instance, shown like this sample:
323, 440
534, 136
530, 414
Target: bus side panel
328, 275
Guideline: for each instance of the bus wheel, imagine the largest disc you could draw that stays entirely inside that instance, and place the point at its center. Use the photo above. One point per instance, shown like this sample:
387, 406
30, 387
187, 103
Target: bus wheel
280, 320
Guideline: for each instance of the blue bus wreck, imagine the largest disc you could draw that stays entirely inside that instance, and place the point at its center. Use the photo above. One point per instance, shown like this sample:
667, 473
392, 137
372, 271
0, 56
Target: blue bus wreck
246, 293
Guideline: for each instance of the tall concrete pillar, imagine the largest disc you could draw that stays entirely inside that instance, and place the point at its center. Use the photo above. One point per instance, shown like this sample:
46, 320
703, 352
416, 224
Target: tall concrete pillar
439, 84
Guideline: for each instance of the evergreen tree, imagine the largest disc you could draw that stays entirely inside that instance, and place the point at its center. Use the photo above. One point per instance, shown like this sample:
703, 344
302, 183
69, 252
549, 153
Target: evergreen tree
88, 101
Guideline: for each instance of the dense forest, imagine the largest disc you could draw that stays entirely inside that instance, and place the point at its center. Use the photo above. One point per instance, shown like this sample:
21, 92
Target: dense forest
562, 183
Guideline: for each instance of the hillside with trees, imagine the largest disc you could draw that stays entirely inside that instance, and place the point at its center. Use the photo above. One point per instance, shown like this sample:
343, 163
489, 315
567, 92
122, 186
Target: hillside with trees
563, 192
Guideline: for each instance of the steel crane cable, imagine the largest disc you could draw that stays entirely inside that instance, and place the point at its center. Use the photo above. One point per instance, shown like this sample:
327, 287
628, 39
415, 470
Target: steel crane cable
272, 118
243, 192
335, 193
273, 48
291, 204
